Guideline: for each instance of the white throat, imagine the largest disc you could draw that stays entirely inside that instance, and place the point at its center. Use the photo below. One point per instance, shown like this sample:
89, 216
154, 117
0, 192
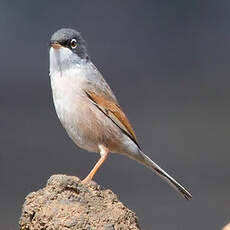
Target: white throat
63, 61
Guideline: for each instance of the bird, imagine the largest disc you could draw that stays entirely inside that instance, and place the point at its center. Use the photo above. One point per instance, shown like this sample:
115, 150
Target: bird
88, 109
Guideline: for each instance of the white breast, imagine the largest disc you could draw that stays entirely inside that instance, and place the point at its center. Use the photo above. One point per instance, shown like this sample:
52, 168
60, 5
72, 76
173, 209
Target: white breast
67, 83
84, 122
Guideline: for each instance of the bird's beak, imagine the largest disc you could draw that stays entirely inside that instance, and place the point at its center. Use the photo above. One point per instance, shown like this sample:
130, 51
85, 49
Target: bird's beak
56, 45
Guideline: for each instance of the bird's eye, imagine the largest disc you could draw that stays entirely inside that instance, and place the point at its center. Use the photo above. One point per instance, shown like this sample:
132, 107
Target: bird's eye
73, 43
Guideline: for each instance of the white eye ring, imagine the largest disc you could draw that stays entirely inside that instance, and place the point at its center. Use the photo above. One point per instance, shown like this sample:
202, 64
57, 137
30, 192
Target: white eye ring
73, 43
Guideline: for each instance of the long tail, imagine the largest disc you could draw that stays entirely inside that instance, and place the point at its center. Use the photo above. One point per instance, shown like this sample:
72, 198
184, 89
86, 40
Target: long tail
146, 161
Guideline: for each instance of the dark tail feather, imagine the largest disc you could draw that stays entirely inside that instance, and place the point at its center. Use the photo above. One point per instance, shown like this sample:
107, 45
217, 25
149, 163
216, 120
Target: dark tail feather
146, 161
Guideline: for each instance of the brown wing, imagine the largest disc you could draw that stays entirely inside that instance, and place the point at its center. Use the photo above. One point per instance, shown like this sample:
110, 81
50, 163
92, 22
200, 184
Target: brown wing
114, 112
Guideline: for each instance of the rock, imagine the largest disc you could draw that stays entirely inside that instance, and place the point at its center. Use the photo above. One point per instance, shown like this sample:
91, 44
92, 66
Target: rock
67, 204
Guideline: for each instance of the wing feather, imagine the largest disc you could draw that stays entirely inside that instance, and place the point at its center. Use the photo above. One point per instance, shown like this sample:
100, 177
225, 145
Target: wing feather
112, 110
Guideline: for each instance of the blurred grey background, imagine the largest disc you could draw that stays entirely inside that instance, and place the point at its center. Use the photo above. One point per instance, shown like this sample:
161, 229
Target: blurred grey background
168, 64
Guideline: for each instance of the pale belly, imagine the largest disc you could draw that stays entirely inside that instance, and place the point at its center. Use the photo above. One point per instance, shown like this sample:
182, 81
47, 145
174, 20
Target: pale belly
86, 125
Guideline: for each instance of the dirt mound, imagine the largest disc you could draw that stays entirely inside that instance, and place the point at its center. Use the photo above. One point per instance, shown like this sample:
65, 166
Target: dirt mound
67, 204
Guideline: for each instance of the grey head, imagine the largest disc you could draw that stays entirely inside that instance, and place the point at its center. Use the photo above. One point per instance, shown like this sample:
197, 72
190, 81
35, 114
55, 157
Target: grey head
71, 39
